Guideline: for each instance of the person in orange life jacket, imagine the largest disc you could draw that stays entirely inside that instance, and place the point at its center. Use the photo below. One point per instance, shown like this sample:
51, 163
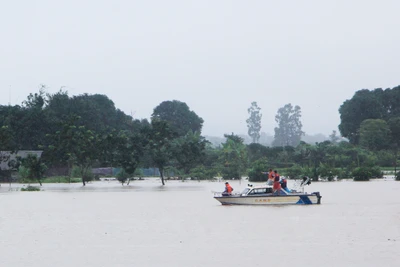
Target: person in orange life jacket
228, 189
271, 177
277, 186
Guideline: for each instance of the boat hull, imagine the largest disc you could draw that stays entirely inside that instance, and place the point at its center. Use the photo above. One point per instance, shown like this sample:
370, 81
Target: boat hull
295, 199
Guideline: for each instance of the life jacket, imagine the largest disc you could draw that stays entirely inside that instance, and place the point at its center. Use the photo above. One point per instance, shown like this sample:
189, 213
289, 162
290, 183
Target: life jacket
277, 177
276, 186
283, 183
229, 188
271, 175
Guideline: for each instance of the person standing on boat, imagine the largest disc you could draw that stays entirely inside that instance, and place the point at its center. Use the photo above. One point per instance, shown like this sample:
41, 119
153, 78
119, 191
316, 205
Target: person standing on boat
271, 177
277, 186
228, 189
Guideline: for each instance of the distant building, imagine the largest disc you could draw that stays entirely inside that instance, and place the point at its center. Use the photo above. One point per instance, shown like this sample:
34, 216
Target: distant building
8, 159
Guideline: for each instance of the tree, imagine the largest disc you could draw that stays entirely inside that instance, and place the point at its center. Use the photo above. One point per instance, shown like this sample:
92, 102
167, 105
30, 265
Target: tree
35, 167
189, 151
254, 122
75, 144
394, 126
85, 152
180, 118
374, 134
289, 130
130, 148
367, 104
234, 157
160, 144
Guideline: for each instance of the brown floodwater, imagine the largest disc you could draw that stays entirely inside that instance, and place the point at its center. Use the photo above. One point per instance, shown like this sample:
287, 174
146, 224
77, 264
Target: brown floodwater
180, 224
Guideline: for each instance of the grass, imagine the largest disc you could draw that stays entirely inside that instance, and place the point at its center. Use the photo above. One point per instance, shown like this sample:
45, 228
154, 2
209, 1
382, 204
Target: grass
30, 188
61, 179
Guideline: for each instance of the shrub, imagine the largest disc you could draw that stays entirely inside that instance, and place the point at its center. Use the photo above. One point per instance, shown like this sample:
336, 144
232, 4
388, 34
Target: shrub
362, 174
256, 171
325, 171
30, 188
122, 176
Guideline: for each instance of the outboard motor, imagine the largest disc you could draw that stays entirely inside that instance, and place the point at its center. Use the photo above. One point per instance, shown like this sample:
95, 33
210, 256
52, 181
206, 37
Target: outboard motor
306, 181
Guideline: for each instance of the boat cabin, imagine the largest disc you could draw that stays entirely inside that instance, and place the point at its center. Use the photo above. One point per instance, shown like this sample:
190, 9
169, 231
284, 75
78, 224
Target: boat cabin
250, 191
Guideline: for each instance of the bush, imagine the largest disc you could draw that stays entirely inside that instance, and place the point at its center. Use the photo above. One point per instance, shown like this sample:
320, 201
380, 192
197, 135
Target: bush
122, 176
362, 174
256, 171
76, 172
398, 176
30, 188
325, 171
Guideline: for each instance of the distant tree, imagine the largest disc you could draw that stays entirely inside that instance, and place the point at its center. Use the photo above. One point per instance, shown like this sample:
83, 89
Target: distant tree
333, 137
35, 167
254, 122
233, 157
189, 151
289, 130
130, 148
374, 134
394, 126
5, 138
160, 144
367, 104
179, 117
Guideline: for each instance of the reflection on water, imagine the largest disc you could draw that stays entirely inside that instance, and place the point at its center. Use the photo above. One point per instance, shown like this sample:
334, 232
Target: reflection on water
180, 224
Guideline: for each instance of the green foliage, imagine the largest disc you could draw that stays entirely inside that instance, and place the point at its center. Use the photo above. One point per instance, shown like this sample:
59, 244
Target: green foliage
179, 117
374, 134
289, 130
122, 176
34, 167
327, 172
160, 145
233, 157
30, 188
254, 122
294, 172
362, 173
203, 173
189, 151
61, 179
367, 104
23, 174
76, 172
258, 170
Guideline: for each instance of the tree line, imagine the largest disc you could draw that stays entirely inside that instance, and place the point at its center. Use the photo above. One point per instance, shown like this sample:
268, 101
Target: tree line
87, 131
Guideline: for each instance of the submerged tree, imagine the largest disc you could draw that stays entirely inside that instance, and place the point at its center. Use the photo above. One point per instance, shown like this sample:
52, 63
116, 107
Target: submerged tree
35, 167
254, 122
289, 130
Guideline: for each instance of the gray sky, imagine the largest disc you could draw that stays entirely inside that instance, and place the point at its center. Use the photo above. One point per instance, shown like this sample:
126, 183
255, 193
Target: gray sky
217, 56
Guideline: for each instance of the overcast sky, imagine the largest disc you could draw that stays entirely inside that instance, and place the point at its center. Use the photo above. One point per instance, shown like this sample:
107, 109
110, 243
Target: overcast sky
217, 56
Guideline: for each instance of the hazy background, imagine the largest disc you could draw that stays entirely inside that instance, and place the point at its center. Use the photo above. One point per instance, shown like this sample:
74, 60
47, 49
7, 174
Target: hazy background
217, 56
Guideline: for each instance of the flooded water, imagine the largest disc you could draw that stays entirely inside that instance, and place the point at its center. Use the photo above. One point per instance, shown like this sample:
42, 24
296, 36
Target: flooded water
180, 224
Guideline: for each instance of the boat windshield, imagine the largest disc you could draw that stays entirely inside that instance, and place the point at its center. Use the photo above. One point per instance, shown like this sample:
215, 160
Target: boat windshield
245, 191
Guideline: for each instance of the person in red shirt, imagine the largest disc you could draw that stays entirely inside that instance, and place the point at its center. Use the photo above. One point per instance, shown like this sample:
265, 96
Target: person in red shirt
277, 185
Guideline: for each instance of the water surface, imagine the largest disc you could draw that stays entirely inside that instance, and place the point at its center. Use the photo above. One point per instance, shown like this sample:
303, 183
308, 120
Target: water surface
180, 224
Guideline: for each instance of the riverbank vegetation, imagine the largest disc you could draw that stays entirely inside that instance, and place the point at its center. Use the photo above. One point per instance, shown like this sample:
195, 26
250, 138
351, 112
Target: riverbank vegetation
78, 133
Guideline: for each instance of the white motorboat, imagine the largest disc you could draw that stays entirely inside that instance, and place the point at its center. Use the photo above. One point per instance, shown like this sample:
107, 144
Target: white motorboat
264, 195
